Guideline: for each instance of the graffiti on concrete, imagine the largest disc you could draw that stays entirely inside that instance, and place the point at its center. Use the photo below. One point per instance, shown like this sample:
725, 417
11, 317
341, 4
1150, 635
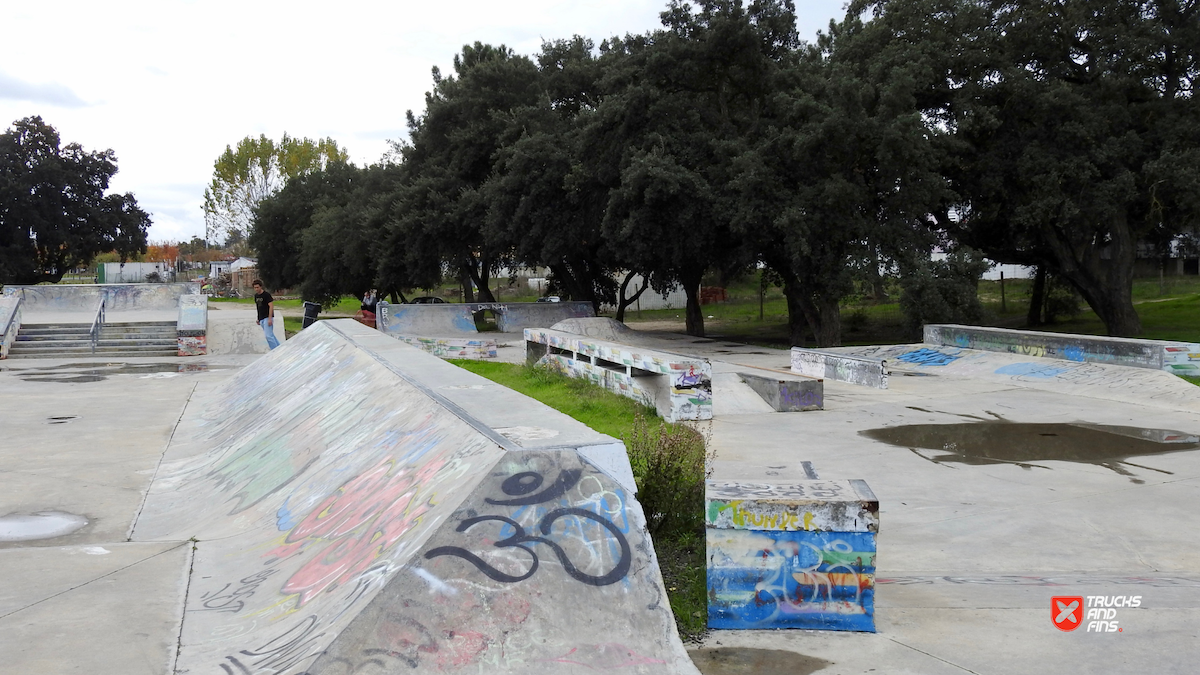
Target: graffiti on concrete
791, 579
928, 357
518, 486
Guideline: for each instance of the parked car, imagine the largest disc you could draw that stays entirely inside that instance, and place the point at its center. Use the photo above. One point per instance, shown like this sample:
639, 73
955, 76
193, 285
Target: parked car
550, 298
426, 300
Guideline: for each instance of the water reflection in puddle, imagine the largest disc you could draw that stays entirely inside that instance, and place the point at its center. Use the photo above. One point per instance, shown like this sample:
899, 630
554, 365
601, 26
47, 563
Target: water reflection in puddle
1001, 442
41, 525
97, 372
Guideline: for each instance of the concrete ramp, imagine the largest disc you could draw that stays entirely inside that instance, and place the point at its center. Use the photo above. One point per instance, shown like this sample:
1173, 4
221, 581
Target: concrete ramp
351, 519
598, 327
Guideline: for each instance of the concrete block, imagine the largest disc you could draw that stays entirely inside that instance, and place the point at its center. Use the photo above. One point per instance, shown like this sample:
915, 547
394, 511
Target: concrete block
788, 395
840, 367
795, 555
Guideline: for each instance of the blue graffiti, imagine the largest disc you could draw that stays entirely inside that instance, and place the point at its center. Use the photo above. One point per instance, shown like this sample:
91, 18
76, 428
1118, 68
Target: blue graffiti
1031, 370
1073, 353
928, 357
284, 519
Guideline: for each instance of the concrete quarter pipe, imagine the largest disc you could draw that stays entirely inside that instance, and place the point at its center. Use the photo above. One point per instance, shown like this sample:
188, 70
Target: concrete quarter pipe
350, 520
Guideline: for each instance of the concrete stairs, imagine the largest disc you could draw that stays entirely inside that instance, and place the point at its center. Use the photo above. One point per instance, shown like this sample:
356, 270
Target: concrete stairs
71, 340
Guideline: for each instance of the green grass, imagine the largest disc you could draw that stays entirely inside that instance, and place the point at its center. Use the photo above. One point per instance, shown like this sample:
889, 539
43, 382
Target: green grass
680, 554
601, 410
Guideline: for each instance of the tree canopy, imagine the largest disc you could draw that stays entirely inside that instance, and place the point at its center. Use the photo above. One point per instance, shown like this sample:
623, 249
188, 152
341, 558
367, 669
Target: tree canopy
256, 169
1056, 133
55, 214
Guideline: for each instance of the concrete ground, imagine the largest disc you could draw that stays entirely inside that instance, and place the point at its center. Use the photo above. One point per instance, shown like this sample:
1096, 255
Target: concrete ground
969, 555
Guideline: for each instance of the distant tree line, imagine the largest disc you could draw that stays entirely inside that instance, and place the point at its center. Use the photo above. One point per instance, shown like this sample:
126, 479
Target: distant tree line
1059, 134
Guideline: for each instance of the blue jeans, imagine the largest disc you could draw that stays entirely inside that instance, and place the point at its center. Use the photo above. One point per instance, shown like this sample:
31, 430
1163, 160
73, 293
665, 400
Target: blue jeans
272, 343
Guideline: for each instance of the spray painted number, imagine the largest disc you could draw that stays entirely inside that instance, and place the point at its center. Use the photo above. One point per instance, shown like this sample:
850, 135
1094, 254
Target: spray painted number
520, 538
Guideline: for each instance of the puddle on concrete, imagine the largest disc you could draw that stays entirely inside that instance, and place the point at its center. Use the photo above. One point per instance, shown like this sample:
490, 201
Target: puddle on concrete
99, 371
41, 525
1000, 442
749, 661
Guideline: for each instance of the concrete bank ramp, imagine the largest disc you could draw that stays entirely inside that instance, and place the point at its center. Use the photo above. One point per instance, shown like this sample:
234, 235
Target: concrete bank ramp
598, 327
350, 519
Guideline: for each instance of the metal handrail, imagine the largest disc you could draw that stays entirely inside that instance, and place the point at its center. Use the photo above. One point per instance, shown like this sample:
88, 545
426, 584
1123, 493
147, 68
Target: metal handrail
97, 323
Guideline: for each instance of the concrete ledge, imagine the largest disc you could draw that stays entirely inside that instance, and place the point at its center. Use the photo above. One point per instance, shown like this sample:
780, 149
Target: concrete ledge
788, 395
796, 555
10, 322
453, 348
678, 387
840, 367
117, 297
1182, 358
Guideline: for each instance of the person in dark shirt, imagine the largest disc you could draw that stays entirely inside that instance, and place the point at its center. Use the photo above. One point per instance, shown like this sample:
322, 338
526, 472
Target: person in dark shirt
265, 304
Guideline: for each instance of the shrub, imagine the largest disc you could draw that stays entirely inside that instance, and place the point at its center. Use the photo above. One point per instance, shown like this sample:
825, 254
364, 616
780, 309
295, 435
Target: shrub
670, 463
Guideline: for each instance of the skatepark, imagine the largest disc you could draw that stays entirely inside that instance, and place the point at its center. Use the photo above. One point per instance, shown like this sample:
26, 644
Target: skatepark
350, 503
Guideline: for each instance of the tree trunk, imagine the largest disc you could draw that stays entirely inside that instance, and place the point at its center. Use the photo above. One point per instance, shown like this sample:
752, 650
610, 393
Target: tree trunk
796, 321
1037, 298
694, 316
464, 278
623, 302
824, 318
482, 275
1106, 284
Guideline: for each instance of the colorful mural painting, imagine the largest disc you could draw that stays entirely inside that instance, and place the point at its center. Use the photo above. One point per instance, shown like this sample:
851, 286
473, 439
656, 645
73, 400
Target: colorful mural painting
453, 348
797, 555
678, 387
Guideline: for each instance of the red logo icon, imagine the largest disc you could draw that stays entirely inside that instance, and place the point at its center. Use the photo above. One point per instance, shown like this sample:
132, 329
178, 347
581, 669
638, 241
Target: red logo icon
1066, 611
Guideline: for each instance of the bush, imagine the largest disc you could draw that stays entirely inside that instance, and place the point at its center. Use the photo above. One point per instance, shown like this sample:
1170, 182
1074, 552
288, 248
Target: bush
943, 291
670, 463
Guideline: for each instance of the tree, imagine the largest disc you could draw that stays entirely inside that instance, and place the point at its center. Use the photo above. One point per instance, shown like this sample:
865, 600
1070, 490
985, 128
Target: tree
1081, 138
541, 200
255, 170
54, 213
680, 104
439, 212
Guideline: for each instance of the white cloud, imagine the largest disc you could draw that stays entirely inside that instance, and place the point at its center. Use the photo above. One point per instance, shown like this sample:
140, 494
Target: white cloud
169, 84
50, 93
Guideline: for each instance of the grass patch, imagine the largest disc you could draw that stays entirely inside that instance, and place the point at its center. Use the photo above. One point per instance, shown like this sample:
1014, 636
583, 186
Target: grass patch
668, 462
1193, 380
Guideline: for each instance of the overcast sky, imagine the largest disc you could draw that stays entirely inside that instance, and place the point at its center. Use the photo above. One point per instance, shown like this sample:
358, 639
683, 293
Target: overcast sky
167, 84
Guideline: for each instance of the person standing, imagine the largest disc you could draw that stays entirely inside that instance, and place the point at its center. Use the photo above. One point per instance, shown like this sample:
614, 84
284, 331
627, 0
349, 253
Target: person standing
265, 303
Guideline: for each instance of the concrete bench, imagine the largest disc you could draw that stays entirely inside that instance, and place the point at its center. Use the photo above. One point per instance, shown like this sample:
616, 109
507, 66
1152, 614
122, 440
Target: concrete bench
1181, 358
678, 387
791, 555
840, 367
